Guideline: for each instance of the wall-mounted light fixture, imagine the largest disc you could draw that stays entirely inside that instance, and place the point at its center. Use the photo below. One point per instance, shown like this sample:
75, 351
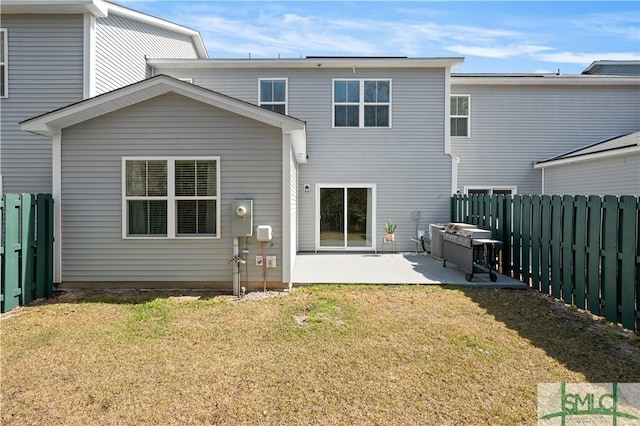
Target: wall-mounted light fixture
307, 188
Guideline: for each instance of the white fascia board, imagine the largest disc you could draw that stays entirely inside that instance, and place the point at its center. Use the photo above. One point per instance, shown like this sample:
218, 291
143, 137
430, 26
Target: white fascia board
588, 157
97, 8
307, 63
161, 23
574, 80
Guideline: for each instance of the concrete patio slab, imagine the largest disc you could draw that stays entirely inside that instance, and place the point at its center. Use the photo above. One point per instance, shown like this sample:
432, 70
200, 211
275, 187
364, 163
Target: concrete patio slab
386, 268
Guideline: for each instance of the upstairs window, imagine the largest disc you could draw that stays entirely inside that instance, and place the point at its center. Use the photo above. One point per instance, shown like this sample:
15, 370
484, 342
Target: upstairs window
273, 95
3, 63
460, 115
171, 197
362, 103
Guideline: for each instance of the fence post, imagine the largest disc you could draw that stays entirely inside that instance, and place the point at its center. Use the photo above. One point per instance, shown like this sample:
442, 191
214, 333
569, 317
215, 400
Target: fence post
28, 248
12, 291
610, 257
628, 233
580, 250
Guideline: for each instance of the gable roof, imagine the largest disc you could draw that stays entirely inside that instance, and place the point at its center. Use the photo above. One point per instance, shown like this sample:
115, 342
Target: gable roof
630, 67
99, 9
52, 123
618, 145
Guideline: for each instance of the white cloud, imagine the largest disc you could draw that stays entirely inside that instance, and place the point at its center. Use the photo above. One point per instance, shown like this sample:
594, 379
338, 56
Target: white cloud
501, 52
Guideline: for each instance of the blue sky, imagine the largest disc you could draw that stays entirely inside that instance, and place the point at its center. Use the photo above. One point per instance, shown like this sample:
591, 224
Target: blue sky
496, 36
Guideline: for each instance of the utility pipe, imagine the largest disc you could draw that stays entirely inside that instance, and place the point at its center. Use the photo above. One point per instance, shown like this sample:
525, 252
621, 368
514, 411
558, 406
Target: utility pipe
236, 267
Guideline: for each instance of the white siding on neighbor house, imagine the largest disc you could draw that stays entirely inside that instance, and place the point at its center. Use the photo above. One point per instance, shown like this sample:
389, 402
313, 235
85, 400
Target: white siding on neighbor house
169, 125
406, 162
514, 126
618, 175
122, 44
45, 72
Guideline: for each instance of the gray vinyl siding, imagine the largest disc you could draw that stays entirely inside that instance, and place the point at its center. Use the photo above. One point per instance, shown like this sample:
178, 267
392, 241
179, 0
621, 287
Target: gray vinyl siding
170, 125
605, 176
45, 72
121, 47
407, 162
293, 213
514, 126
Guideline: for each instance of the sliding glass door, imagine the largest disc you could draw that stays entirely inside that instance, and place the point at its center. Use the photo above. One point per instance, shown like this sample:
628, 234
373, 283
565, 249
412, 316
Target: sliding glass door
345, 219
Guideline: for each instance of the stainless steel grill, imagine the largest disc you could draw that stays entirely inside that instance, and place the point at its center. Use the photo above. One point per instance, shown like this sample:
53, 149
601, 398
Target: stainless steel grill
463, 243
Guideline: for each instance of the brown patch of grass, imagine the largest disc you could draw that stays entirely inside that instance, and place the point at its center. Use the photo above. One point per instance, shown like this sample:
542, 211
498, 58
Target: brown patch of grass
322, 355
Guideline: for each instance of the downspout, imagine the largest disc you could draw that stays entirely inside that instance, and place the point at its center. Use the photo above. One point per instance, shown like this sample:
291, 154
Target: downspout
447, 130
56, 156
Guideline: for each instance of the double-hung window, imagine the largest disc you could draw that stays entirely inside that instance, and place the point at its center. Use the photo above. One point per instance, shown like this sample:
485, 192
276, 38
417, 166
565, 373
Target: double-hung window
273, 94
361, 103
3, 63
460, 115
171, 197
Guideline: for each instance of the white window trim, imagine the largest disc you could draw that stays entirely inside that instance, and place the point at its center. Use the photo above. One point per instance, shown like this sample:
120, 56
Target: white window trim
286, 93
468, 116
513, 189
5, 61
171, 198
361, 103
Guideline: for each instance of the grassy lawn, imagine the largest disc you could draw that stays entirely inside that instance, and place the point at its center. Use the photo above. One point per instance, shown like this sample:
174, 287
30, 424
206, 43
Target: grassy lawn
320, 355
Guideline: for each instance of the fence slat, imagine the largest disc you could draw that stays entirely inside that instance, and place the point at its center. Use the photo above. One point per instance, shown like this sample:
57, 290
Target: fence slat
506, 235
594, 228
556, 240
2, 221
536, 204
610, 257
12, 290
628, 233
516, 237
545, 244
567, 249
28, 247
526, 239
580, 250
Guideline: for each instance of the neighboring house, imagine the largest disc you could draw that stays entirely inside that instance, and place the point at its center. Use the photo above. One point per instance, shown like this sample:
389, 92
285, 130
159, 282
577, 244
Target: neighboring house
146, 173
58, 52
610, 167
509, 122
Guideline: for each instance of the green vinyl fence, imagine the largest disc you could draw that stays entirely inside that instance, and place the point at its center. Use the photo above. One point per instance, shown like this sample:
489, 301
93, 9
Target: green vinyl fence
26, 249
583, 250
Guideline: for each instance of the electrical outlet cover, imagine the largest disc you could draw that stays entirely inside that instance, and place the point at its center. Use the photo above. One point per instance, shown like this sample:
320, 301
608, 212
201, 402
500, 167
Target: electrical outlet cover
259, 260
271, 261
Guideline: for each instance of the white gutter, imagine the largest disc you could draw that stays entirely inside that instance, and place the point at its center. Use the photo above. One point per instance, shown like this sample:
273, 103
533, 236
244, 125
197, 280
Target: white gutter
550, 80
315, 63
